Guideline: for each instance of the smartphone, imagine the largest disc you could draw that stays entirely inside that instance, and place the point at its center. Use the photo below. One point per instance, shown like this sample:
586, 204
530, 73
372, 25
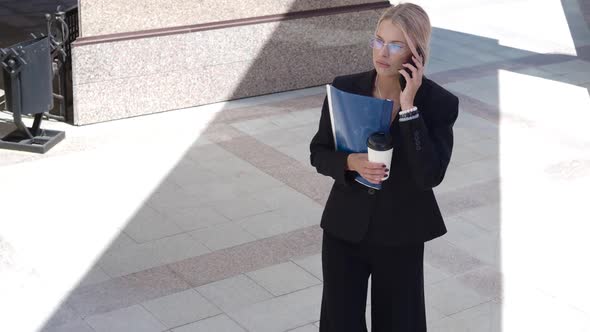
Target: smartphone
411, 62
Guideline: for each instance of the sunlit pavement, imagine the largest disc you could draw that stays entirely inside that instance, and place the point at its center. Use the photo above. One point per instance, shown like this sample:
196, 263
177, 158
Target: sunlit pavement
206, 219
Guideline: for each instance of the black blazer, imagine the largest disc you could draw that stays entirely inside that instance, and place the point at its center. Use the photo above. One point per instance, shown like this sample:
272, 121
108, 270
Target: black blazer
405, 209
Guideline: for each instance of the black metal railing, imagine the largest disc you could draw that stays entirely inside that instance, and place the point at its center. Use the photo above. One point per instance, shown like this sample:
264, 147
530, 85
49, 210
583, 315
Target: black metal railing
64, 28
72, 21
19, 30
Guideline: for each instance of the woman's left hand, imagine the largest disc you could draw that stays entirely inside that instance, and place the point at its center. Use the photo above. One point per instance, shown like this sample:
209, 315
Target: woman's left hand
412, 83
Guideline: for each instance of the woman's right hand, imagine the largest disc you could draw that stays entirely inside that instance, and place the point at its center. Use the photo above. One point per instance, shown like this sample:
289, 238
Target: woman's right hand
373, 172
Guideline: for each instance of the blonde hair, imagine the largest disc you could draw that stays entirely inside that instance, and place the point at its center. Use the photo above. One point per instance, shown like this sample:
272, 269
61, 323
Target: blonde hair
414, 23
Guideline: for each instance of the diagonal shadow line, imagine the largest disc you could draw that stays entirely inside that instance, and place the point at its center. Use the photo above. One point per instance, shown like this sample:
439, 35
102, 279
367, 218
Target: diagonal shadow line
227, 138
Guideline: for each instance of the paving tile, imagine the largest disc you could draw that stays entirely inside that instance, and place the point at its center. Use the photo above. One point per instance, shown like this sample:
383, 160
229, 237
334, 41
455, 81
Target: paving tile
306, 328
255, 181
129, 260
63, 317
487, 217
451, 296
276, 198
303, 179
489, 147
310, 117
199, 270
94, 276
567, 67
578, 78
222, 236
287, 121
311, 264
205, 194
204, 269
460, 230
168, 204
463, 155
470, 177
487, 281
299, 152
480, 119
511, 53
148, 225
535, 71
151, 254
239, 114
121, 241
433, 275
280, 167
167, 186
179, 248
122, 292
483, 89
130, 319
435, 65
234, 293
256, 153
448, 258
192, 218
485, 248
280, 137
279, 221
249, 256
241, 208
220, 132
230, 166
281, 313
465, 56
188, 174
202, 140
283, 278
181, 308
208, 152
253, 127
219, 323
75, 326
433, 314
460, 194
485, 317
462, 135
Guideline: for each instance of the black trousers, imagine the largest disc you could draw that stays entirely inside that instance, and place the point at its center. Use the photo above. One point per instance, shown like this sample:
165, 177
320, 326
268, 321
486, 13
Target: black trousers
397, 286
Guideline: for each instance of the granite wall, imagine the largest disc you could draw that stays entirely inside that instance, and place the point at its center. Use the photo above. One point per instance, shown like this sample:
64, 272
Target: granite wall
118, 76
102, 17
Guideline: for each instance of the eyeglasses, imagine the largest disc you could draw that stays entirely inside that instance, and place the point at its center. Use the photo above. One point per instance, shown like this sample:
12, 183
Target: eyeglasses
378, 44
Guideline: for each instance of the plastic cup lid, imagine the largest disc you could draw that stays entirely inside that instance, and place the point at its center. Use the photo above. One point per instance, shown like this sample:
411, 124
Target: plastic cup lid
380, 141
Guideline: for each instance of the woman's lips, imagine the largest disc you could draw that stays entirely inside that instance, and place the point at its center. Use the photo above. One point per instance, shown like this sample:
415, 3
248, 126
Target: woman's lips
382, 65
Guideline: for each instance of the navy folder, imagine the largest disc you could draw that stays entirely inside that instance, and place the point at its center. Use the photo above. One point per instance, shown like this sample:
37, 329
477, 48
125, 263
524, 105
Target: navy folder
354, 118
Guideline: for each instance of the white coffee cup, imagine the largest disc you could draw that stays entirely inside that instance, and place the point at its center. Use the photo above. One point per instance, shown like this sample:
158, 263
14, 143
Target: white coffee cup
380, 149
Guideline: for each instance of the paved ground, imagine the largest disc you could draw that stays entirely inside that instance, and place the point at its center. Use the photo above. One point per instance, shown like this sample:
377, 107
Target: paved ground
206, 219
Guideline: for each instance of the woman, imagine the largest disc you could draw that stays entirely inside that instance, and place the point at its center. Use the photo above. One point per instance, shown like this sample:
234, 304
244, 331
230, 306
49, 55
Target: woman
381, 233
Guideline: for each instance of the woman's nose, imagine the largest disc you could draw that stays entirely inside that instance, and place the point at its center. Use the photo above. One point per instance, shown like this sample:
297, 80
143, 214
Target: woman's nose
384, 52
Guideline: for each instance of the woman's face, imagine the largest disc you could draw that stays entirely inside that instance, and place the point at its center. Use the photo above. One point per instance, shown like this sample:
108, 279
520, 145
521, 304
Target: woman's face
387, 63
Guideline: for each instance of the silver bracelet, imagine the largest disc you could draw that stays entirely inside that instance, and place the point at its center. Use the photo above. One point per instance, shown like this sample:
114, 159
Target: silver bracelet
410, 114
413, 109
408, 118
